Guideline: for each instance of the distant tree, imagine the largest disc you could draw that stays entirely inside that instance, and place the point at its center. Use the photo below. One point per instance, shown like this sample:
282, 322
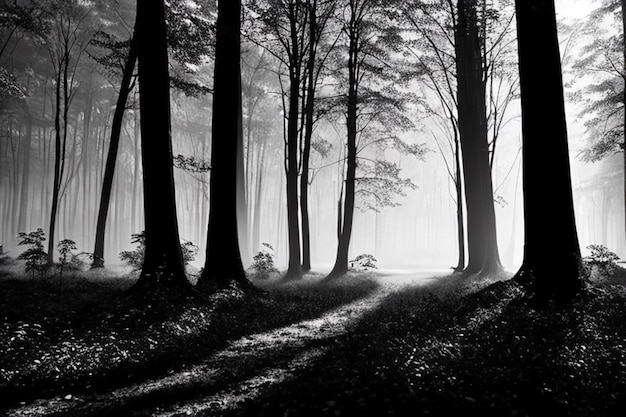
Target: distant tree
163, 262
223, 266
603, 56
552, 265
372, 102
66, 43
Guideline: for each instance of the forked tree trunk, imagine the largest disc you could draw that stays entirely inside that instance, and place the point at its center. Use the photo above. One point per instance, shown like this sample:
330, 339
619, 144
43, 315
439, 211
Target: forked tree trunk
481, 229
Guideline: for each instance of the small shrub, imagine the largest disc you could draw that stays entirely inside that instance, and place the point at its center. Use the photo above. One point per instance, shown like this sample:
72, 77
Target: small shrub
263, 262
135, 257
65, 248
4, 259
601, 259
35, 256
362, 263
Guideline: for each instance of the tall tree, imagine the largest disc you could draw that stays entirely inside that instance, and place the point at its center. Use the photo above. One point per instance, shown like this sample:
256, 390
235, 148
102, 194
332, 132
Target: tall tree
163, 260
552, 263
472, 118
109, 170
223, 265
66, 43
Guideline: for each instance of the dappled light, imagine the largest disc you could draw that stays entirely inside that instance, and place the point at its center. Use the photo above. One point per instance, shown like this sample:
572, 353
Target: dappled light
312, 208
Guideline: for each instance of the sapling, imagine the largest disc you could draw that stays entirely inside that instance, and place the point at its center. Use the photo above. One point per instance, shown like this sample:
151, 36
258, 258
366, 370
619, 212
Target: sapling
65, 248
35, 256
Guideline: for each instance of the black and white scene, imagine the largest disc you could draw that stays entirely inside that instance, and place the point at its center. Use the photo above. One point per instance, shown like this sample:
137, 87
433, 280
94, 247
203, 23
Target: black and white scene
312, 208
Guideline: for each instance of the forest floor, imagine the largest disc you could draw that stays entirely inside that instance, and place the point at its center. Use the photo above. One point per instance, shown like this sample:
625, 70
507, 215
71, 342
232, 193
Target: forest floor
378, 343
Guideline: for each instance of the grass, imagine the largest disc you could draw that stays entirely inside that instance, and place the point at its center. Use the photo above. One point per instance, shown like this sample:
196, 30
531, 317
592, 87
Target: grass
87, 335
453, 346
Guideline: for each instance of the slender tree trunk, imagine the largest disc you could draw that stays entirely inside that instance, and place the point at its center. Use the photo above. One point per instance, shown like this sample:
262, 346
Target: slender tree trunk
341, 262
624, 103
163, 260
24, 200
242, 204
460, 217
223, 265
552, 264
56, 185
109, 170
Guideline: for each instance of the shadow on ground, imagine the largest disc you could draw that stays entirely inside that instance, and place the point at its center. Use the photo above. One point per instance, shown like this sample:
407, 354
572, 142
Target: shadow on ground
135, 345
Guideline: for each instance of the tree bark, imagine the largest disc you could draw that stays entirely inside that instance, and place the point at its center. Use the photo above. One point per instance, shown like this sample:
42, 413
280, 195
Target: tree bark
471, 95
163, 260
341, 262
109, 170
552, 265
223, 265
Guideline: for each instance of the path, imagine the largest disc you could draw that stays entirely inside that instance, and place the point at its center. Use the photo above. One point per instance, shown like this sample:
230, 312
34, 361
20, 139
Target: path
241, 371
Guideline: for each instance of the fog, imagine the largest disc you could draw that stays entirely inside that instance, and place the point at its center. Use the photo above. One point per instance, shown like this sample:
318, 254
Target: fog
419, 232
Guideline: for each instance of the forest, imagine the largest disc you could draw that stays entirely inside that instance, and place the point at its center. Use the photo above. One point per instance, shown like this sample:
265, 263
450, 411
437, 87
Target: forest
312, 207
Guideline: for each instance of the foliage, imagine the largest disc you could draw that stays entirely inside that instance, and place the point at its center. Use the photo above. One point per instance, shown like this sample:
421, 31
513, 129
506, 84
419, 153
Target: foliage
364, 262
4, 259
601, 259
191, 164
65, 248
263, 261
598, 80
135, 257
35, 256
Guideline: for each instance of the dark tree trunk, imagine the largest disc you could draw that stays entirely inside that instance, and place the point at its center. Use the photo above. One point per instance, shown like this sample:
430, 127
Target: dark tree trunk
341, 262
552, 263
56, 185
109, 170
481, 227
163, 260
223, 265
308, 134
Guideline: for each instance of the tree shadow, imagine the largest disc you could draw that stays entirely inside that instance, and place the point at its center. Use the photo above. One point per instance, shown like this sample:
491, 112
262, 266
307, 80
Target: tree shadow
281, 306
421, 353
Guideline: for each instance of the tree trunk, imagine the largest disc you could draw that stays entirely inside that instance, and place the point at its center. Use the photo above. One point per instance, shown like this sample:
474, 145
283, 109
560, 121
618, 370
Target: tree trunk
223, 265
460, 217
56, 185
341, 262
552, 264
23, 214
481, 229
308, 134
163, 260
109, 171
242, 204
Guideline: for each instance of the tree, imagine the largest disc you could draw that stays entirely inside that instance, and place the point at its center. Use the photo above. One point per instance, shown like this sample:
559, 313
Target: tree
603, 97
471, 97
373, 105
66, 43
163, 262
109, 170
223, 265
552, 265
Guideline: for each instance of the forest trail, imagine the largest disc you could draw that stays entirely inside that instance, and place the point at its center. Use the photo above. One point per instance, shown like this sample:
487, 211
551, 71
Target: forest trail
242, 371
